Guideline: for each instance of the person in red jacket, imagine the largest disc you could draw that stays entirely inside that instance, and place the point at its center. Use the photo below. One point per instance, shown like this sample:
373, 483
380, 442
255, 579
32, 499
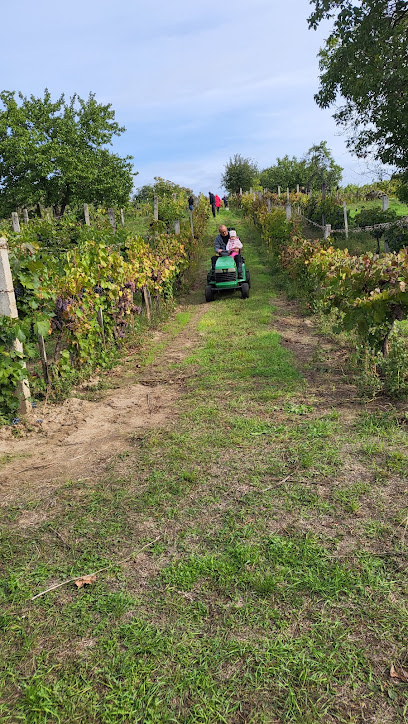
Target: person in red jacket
217, 203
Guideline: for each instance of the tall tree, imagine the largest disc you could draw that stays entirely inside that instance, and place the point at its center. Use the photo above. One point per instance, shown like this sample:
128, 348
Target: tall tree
365, 60
239, 173
321, 168
55, 153
287, 172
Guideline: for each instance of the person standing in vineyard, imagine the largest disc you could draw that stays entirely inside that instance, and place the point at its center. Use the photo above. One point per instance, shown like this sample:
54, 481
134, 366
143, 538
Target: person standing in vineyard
191, 202
217, 203
212, 202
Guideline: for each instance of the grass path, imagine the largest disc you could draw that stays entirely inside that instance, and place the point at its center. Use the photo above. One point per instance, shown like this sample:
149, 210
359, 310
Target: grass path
276, 591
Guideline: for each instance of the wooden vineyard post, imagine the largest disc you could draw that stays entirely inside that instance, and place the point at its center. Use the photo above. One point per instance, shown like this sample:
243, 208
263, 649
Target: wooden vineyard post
191, 222
327, 231
176, 226
16, 222
111, 215
8, 308
269, 205
86, 215
146, 297
156, 208
385, 202
99, 317
288, 211
44, 361
345, 219
279, 190
240, 191
122, 217
260, 195
25, 216
287, 194
297, 188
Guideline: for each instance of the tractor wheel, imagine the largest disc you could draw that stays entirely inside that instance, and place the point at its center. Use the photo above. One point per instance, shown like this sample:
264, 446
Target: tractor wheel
209, 294
245, 290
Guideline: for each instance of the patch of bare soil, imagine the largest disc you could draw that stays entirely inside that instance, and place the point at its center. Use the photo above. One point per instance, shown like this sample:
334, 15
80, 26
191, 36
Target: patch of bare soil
321, 361
78, 438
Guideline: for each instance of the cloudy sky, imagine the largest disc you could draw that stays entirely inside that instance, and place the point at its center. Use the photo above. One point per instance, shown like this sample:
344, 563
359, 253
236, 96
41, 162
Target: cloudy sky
193, 82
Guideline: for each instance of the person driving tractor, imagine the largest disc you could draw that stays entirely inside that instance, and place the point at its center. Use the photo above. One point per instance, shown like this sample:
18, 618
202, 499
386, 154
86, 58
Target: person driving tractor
220, 246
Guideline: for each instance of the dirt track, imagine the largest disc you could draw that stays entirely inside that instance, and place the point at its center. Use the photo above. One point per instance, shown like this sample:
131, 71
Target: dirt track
79, 437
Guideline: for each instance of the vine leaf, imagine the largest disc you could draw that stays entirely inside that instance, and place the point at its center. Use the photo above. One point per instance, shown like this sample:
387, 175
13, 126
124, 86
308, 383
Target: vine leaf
400, 673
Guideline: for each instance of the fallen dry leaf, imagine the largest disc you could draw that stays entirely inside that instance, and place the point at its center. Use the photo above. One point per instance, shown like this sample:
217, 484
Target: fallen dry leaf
85, 580
400, 673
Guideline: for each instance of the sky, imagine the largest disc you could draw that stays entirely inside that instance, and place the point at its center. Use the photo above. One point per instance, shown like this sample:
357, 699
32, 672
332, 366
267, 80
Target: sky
194, 83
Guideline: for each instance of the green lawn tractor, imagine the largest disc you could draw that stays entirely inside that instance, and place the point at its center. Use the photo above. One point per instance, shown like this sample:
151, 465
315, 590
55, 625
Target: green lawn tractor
225, 278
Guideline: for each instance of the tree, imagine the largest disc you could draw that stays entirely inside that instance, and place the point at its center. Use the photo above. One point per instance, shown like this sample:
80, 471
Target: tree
55, 153
239, 173
365, 60
287, 172
320, 168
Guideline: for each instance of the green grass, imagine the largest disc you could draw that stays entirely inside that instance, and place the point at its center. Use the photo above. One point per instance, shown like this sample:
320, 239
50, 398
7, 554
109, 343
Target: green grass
276, 592
395, 205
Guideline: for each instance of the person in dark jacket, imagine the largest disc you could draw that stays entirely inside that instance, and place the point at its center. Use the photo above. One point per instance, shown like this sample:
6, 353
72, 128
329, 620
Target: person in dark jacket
225, 200
212, 202
220, 245
191, 202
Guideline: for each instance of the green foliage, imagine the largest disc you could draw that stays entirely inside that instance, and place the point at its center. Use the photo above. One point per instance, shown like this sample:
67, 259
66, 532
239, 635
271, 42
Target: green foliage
396, 237
11, 366
173, 201
286, 173
239, 173
316, 210
320, 168
370, 292
364, 60
54, 153
314, 169
65, 274
371, 217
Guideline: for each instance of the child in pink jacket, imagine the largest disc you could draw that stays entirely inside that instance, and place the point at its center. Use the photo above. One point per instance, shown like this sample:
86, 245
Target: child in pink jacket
234, 244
